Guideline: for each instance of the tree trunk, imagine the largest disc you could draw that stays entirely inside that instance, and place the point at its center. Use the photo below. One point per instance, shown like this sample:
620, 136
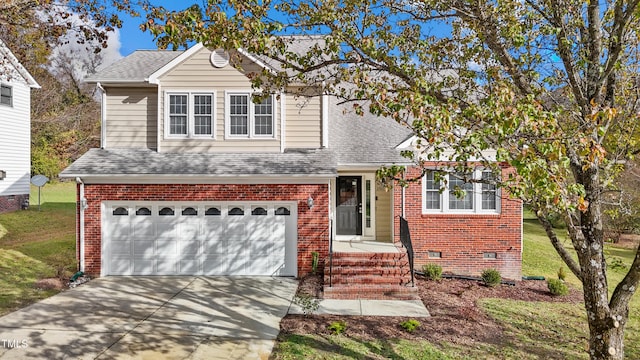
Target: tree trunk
606, 342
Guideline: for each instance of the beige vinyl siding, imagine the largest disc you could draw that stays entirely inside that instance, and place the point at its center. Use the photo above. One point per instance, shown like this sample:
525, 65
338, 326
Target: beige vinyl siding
132, 118
304, 121
383, 214
196, 74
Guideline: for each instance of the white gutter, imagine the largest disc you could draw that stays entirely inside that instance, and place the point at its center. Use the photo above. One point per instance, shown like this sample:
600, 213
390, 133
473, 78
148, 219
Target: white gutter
83, 206
103, 115
283, 121
325, 118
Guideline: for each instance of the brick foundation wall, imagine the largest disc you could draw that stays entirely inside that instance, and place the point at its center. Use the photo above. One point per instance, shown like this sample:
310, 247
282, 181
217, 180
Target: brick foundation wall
463, 239
313, 224
12, 202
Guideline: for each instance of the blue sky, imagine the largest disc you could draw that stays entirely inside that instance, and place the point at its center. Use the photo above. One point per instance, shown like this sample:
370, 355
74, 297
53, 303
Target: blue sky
132, 38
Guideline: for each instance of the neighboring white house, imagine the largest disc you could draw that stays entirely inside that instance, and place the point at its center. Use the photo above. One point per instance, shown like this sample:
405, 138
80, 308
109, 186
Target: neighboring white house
15, 130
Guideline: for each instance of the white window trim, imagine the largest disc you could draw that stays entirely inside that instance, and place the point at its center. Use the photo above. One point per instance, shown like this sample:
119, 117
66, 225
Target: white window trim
477, 199
11, 97
251, 122
190, 114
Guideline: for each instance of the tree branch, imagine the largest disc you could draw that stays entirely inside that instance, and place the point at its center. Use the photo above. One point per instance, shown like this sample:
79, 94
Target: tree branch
564, 254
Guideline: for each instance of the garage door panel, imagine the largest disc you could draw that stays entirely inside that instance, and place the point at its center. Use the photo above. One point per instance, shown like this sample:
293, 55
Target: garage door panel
189, 229
173, 238
166, 266
143, 267
263, 247
144, 229
167, 247
189, 266
217, 265
213, 229
189, 247
166, 230
211, 246
121, 247
119, 228
120, 265
236, 230
143, 248
235, 247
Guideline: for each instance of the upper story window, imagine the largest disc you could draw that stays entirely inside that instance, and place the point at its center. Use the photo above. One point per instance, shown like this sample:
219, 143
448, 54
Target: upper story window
244, 118
461, 195
6, 95
190, 114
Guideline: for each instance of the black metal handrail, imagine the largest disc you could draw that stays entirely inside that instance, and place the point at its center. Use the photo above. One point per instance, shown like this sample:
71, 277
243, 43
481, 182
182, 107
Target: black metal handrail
405, 240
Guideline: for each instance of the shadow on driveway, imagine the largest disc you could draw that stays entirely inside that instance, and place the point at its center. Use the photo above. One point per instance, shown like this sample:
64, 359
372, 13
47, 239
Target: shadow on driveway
152, 317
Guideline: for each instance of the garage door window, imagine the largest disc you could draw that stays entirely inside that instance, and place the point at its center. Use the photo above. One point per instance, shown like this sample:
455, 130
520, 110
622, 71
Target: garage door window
212, 211
189, 211
259, 211
120, 211
143, 211
283, 211
236, 211
166, 211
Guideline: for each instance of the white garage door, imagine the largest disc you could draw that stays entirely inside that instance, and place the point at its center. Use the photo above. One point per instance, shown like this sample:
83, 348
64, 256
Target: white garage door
171, 238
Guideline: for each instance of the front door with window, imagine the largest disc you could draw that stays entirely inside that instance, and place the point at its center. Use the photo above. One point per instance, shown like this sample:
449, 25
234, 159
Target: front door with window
349, 205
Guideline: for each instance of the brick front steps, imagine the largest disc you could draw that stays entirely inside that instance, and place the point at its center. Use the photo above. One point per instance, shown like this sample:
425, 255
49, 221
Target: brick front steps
372, 276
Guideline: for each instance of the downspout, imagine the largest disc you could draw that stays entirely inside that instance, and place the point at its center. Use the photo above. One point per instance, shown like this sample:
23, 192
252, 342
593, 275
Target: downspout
160, 115
283, 121
325, 117
103, 116
403, 196
83, 206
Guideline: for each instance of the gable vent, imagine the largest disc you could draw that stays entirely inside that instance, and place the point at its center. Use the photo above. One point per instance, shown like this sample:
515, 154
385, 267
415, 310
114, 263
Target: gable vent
219, 58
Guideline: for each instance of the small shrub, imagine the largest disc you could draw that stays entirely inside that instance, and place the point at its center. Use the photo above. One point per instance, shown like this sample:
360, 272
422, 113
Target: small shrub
314, 262
491, 277
308, 303
557, 287
562, 275
410, 325
338, 327
432, 271
616, 264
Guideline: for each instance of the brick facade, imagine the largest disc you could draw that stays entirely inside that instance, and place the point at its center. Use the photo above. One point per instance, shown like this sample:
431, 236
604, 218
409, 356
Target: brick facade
12, 202
463, 239
313, 229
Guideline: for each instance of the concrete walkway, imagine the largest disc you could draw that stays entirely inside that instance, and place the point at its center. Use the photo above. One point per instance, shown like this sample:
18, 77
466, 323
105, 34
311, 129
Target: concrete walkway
409, 308
152, 318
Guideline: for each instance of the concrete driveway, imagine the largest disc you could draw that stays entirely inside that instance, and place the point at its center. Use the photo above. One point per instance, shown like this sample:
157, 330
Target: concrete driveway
152, 318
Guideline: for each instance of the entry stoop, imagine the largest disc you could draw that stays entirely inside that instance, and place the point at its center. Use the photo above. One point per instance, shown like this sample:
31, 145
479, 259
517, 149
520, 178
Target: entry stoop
370, 276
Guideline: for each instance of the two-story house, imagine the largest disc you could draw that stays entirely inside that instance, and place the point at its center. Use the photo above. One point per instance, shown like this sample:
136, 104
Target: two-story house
15, 131
194, 176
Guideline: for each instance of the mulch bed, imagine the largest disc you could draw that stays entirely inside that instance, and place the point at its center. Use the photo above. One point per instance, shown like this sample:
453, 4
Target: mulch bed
453, 305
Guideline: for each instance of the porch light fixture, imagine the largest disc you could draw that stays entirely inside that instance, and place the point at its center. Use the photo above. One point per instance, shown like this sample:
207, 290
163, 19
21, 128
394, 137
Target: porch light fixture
310, 202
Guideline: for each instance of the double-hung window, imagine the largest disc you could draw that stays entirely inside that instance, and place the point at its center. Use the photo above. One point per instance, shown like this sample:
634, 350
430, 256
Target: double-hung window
6, 95
245, 118
190, 114
458, 194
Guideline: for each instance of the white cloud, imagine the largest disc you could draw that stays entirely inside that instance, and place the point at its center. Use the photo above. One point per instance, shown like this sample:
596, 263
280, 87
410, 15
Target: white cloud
77, 60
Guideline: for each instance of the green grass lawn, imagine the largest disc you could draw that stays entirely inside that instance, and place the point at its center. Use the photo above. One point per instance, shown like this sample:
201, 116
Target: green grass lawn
37, 244
534, 330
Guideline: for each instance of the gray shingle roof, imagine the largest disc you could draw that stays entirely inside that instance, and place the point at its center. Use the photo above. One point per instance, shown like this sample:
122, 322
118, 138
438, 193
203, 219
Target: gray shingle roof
136, 67
122, 162
367, 139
